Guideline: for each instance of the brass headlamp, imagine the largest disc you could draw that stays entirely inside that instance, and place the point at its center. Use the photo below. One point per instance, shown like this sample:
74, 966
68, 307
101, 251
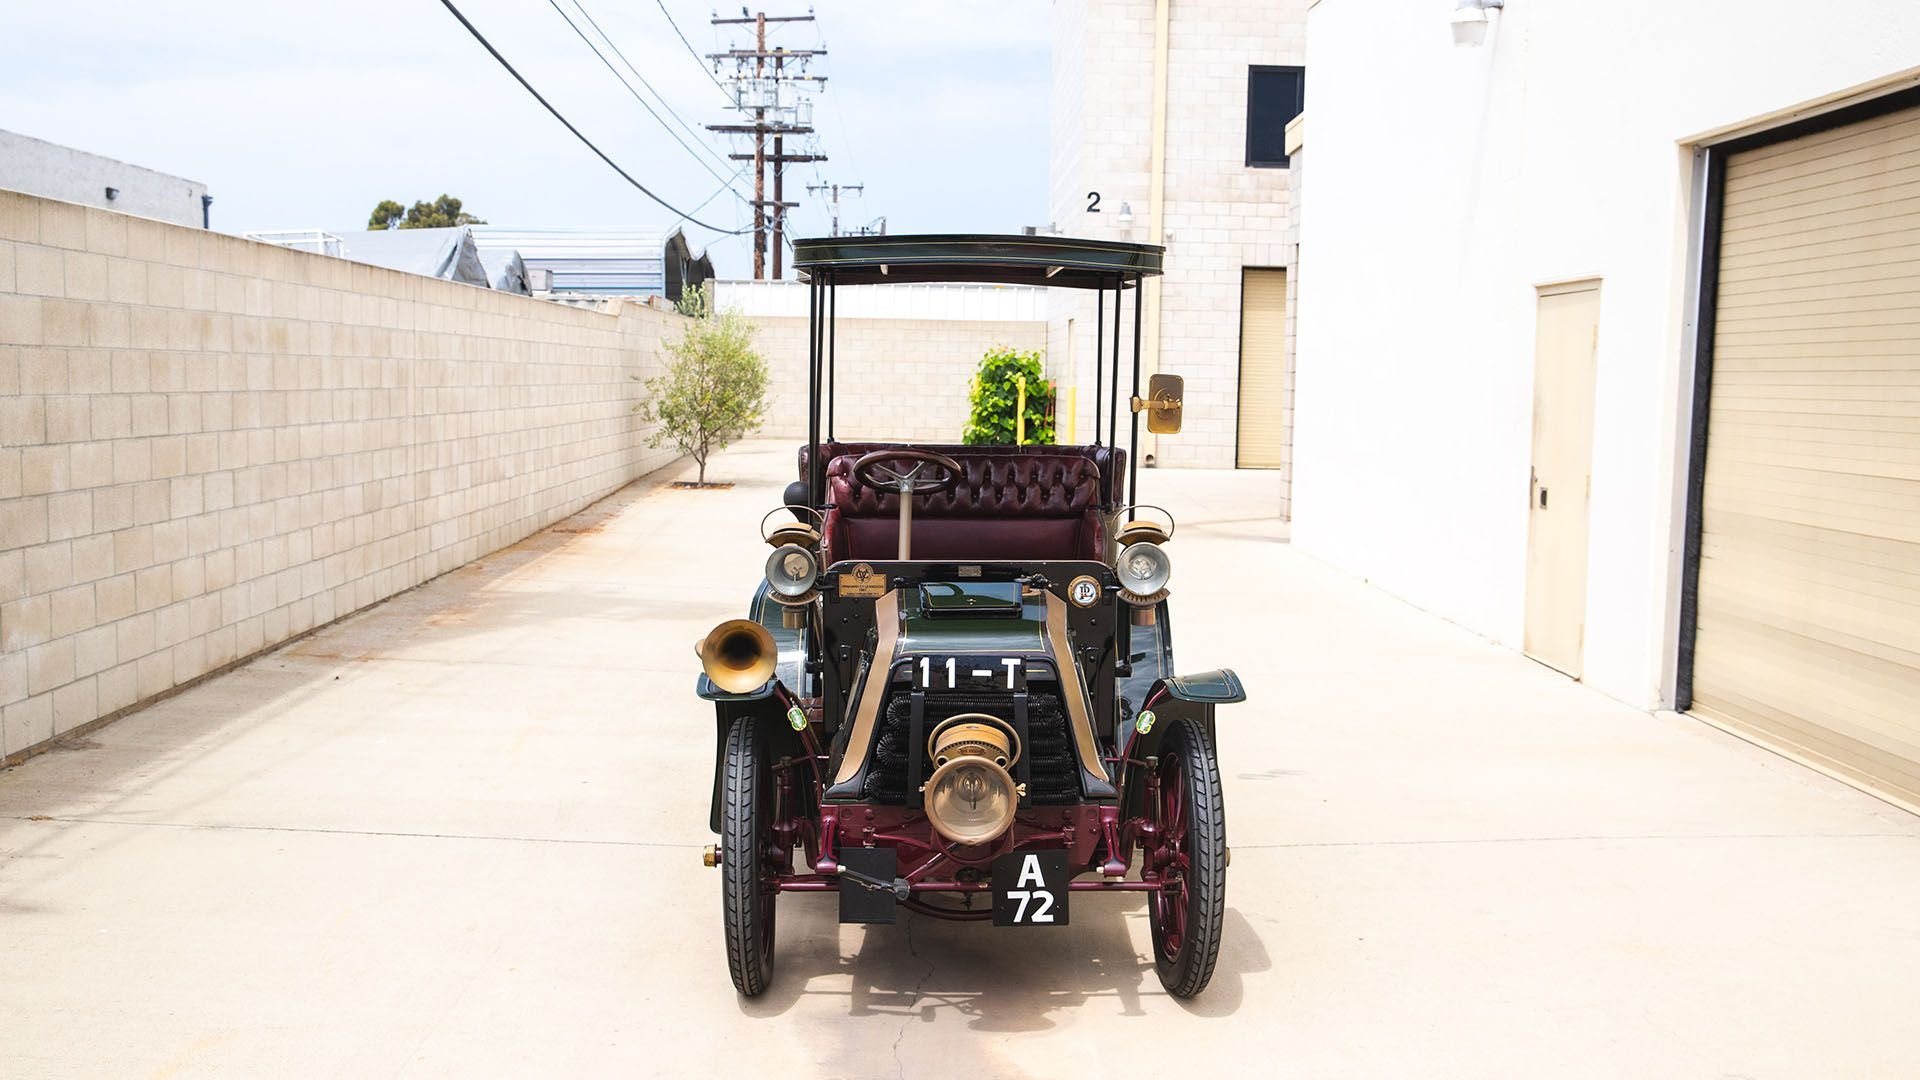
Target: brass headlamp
971, 797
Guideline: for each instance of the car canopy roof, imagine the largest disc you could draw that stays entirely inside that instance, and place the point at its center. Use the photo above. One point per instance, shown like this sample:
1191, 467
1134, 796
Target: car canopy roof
1008, 260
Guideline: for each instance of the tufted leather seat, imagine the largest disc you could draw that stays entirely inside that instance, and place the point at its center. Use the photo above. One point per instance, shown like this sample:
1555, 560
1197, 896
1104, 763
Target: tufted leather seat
1111, 460
1025, 502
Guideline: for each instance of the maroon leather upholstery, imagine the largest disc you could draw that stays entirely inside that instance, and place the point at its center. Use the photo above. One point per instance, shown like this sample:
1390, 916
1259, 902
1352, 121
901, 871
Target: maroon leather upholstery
1012, 503
1111, 460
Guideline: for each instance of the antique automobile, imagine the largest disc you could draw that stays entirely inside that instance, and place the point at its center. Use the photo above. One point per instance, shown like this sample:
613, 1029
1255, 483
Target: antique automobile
954, 691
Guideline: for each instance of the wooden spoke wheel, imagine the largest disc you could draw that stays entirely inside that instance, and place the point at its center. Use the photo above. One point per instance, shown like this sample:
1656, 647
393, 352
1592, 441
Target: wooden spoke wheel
1191, 858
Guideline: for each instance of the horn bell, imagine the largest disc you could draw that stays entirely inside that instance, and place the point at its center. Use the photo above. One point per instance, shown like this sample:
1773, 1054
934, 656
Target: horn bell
738, 655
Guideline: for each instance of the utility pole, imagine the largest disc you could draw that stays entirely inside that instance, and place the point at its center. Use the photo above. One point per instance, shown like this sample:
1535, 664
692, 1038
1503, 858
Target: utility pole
776, 113
833, 199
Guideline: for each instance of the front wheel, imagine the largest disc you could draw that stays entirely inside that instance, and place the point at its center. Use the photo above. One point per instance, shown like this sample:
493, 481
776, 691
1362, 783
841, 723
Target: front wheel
747, 891
1187, 911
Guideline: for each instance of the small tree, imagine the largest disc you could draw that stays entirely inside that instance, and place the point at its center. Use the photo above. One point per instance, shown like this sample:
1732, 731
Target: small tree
715, 387
996, 397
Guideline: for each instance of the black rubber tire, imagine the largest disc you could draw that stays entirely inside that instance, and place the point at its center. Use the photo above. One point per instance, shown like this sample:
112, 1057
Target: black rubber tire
1187, 968
746, 842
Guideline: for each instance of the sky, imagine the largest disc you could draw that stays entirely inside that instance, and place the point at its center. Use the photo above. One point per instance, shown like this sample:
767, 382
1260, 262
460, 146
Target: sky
305, 115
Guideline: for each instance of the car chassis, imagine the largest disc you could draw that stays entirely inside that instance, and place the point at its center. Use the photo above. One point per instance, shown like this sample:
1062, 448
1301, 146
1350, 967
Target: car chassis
955, 691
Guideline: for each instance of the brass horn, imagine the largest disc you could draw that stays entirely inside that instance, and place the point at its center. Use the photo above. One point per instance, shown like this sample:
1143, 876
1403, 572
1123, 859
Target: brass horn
738, 655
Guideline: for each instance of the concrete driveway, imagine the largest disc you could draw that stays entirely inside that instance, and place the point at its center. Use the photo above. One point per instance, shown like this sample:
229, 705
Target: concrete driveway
459, 835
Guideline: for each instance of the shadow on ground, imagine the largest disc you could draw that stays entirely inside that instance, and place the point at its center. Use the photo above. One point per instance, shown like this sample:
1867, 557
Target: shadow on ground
996, 979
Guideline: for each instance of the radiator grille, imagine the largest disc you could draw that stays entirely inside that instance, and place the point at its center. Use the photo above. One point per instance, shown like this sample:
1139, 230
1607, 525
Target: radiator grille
1054, 779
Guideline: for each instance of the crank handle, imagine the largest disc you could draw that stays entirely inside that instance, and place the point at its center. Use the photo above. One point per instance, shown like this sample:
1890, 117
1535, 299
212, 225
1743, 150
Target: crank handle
900, 887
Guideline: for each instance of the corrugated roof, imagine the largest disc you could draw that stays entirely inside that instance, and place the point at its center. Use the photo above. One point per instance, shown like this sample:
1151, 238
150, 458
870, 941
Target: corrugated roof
442, 253
505, 269
603, 261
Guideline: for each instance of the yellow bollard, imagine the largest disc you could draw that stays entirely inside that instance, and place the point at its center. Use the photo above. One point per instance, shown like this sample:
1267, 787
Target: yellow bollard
1073, 416
1020, 410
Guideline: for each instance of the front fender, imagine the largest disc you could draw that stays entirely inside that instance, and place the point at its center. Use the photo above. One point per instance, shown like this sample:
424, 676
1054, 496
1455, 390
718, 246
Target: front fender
759, 703
1179, 697
775, 734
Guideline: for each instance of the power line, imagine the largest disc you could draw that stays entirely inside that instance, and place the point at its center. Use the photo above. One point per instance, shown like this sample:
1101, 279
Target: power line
846, 138
691, 51
776, 113
662, 98
568, 124
833, 200
627, 86
717, 192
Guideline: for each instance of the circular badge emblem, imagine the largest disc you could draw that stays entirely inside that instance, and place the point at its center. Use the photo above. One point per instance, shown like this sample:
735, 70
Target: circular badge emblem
1084, 591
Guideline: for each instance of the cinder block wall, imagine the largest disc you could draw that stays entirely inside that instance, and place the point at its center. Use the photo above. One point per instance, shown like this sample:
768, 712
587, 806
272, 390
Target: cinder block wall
1220, 216
899, 378
209, 445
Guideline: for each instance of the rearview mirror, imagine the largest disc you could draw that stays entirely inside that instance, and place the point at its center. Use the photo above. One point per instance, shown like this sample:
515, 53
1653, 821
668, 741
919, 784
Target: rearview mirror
1162, 404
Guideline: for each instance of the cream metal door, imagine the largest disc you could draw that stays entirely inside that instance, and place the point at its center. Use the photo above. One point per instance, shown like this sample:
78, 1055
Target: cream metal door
1566, 335
1263, 366
1807, 611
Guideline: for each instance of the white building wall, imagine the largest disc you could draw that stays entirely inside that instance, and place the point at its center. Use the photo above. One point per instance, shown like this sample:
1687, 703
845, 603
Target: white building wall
51, 171
1446, 184
1219, 215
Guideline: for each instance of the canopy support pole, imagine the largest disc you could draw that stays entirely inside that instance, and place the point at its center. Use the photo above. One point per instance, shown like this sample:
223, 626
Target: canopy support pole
1113, 397
813, 390
1133, 451
1099, 341
833, 327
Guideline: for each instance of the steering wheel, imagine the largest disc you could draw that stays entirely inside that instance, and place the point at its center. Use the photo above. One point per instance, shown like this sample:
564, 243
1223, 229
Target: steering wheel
878, 471
930, 474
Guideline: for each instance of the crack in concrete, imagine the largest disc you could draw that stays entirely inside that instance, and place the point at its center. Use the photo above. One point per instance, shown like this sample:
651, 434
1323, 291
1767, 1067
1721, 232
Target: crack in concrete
899, 1067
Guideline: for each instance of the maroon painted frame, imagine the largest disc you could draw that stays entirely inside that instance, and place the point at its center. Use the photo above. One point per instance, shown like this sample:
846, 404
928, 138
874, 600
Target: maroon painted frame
931, 864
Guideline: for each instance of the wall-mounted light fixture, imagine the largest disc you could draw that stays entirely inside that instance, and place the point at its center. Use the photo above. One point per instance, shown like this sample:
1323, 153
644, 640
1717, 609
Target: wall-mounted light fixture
1470, 21
1126, 215
113, 193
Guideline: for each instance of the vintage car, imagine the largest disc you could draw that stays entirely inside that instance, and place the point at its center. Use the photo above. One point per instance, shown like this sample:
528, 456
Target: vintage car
954, 691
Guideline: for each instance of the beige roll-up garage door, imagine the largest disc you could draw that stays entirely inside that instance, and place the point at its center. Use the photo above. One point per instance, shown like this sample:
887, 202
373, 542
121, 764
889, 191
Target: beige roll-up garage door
1263, 367
1808, 610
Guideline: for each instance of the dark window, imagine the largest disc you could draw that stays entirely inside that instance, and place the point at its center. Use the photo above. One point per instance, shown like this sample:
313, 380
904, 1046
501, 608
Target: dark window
1275, 95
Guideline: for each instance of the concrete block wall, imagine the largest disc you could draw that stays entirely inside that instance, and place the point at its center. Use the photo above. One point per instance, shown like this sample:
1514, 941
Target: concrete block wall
1100, 135
1219, 215
898, 378
210, 445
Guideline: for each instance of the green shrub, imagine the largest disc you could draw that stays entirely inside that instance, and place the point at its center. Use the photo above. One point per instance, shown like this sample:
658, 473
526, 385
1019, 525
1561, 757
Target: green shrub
996, 394
715, 388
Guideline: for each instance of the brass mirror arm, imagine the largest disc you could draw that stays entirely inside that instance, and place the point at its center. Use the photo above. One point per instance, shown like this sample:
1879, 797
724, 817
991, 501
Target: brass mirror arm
1140, 404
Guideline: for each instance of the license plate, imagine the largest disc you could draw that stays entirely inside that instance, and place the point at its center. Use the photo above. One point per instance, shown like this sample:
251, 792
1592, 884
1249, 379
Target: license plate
1030, 889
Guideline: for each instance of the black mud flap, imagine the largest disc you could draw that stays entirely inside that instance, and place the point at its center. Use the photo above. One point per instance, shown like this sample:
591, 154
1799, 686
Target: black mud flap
860, 902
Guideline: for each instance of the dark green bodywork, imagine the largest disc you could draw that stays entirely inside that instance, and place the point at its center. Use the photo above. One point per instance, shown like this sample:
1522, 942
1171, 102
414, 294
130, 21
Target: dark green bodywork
984, 618
1217, 687
942, 617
